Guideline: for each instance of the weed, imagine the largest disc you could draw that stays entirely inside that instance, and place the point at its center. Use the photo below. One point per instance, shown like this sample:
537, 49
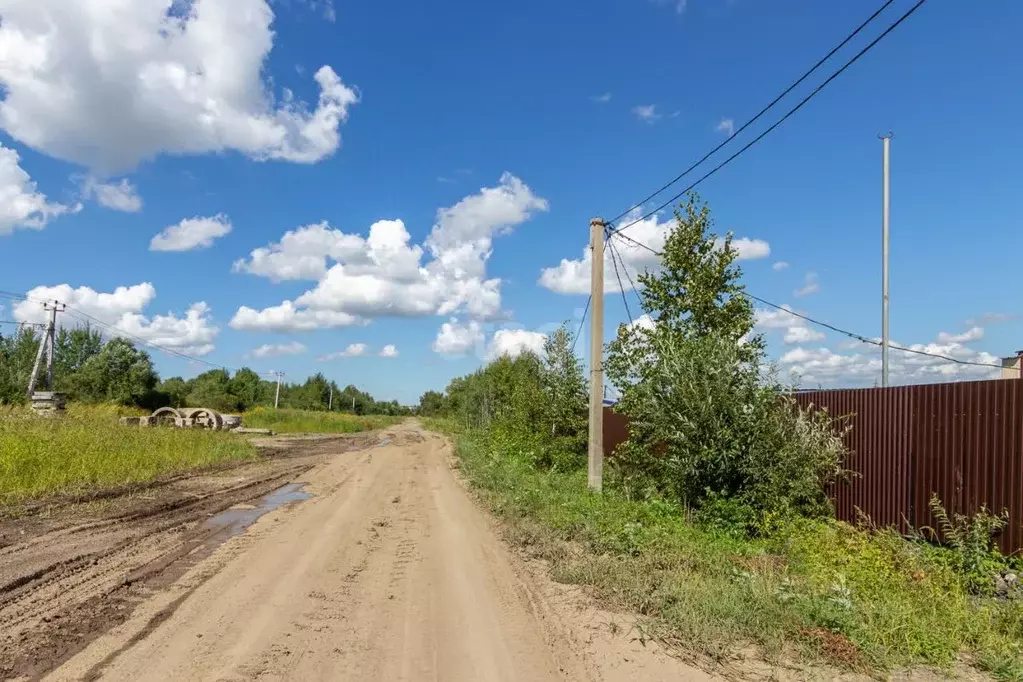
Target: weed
971, 541
308, 421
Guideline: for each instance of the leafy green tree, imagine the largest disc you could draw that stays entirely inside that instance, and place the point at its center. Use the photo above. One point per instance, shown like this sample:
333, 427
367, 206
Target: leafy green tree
119, 373
212, 389
431, 404
71, 349
249, 389
564, 386
174, 391
17, 354
704, 425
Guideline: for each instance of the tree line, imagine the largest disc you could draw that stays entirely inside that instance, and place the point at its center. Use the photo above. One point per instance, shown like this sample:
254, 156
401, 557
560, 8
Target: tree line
91, 368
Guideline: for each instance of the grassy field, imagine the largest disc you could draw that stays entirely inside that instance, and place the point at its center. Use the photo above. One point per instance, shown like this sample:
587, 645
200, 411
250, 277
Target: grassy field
306, 421
87, 450
821, 591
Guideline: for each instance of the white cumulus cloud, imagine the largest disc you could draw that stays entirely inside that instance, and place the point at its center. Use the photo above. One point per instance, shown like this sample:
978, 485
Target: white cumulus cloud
121, 311
21, 204
389, 351
779, 266
354, 350
286, 318
973, 334
859, 364
726, 126
458, 339
384, 274
798, 334
646, 112
108, 83
191, 233
272, 350
810, 286
119, 196
572, 276
797, 330
514, 342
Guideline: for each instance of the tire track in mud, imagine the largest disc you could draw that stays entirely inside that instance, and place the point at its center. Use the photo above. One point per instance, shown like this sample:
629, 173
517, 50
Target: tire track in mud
63, 587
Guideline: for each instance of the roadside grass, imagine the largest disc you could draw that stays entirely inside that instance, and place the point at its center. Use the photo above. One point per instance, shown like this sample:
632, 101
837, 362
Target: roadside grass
87, 449
308, 421
860, 599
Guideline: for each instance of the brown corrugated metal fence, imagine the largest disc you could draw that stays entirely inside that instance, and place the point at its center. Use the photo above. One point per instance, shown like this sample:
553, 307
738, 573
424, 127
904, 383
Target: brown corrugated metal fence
963, 441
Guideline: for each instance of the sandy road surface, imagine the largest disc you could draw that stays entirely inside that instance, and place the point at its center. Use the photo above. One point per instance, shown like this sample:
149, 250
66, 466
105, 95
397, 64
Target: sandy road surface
387, 572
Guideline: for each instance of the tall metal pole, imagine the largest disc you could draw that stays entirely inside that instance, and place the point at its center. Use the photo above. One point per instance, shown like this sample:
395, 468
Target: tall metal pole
596, 442
885, 199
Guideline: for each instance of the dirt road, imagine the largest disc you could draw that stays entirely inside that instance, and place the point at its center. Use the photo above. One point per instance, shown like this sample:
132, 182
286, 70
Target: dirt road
388, 571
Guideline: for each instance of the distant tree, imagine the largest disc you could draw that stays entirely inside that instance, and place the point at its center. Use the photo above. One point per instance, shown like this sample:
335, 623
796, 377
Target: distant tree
71, 350
212, 389
565, 387
249, 389
119, 373
431, 404
175, 391
17, 353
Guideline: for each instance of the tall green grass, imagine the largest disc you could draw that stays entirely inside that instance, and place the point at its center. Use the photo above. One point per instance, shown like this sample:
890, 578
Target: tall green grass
87, 449
308, 421
859, 599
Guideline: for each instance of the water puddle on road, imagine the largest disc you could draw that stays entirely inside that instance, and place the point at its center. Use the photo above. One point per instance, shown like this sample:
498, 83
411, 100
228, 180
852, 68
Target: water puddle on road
205, 538
385, 441
234, 520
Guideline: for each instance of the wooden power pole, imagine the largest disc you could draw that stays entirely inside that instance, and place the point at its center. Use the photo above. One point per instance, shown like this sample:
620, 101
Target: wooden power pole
596, 444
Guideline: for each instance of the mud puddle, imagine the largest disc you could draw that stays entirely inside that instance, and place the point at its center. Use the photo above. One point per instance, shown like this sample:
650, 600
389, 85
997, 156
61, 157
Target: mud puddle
234, 520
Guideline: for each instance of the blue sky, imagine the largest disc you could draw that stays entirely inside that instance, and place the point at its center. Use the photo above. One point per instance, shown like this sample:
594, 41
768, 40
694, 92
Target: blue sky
587, 107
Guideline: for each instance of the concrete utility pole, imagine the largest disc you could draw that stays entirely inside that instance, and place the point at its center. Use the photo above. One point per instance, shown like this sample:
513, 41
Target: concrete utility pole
885, 199
57, 305
46, 347
330, 400
277, 395
596, 445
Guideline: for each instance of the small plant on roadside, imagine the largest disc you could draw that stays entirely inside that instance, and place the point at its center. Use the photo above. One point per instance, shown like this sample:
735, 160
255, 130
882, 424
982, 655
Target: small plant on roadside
970, 540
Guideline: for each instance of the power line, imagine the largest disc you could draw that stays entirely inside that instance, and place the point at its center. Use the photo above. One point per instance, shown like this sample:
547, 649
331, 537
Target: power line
578, 333
622, 259
614, 261
618, 233
839, 330
117, 330
790, 112
86, 317
864, 339
760, 113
